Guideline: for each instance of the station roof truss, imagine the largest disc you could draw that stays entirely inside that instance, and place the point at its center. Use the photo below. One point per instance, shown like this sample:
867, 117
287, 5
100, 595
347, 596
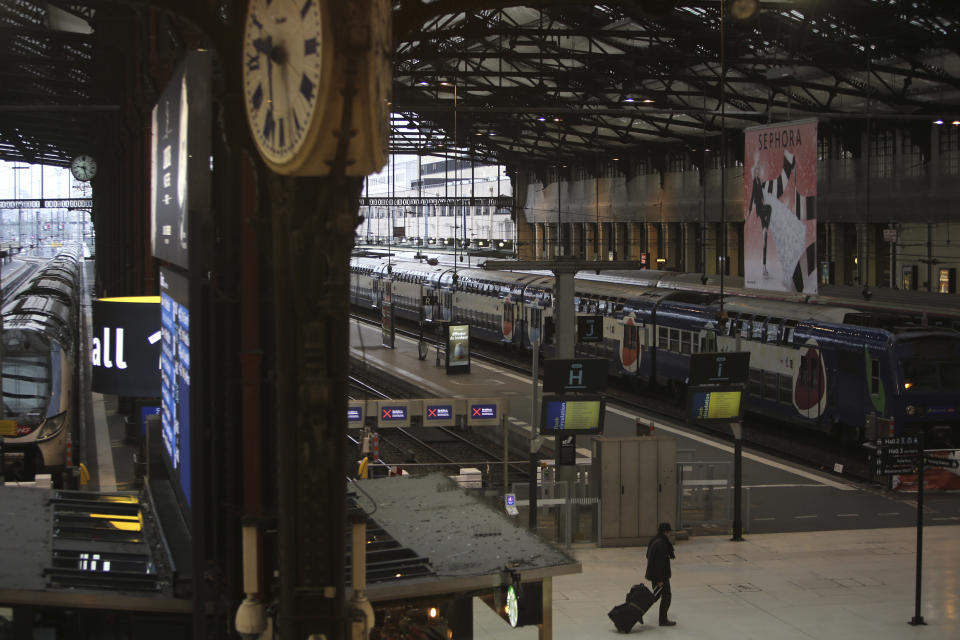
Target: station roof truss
48, 80
584, 83
547, 83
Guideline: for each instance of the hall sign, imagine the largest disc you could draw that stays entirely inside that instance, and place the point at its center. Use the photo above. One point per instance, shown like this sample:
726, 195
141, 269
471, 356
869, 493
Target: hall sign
125, 348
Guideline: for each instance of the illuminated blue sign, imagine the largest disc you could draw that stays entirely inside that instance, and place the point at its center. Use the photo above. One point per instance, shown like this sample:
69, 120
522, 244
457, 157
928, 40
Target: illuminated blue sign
354, 414
483, 411
395, 413
438, 412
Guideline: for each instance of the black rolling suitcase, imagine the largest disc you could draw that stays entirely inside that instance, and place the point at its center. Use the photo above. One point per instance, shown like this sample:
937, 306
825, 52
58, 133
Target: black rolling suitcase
639, 599
625, 615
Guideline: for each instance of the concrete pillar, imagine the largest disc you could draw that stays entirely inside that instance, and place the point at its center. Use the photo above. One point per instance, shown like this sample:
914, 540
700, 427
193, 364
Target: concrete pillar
622, 240
836, 255
637, 241
565, 315
671, 244
590, 238
867, 254
691, 246
538, 240
526, 239
576, 240
653, 244
711, 241
734, 242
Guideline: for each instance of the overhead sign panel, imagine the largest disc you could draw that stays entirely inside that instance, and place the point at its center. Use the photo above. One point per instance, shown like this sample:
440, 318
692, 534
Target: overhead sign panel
584, 374
438, 413
590, 328
719, 368
483, 412
393, 414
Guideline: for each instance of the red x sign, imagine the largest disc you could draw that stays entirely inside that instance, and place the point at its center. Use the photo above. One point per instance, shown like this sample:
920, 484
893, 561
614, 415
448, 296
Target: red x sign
386, 413
476, 412
431, 413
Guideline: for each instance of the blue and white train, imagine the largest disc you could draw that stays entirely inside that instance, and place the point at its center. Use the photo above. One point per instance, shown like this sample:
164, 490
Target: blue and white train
38, 364
821, 366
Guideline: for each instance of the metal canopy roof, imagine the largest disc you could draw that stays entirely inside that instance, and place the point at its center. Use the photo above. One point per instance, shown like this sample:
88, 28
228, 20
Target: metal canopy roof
557, 82
582, 82
48, 91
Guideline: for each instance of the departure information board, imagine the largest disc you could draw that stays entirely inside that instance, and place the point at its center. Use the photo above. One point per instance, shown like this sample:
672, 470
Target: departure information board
706, 404
581, 414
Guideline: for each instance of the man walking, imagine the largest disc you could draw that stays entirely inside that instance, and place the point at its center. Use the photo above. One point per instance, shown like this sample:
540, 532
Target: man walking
659, 554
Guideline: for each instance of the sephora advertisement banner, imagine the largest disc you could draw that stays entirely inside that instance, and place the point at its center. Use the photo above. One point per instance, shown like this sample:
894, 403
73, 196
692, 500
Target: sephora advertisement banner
779, 195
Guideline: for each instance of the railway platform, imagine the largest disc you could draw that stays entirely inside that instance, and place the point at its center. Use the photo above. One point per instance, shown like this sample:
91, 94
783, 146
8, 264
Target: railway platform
824, 585
852, 579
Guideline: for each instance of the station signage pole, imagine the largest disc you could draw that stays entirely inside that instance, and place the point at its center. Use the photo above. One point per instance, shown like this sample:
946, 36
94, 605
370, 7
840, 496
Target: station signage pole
534, 429
917, 618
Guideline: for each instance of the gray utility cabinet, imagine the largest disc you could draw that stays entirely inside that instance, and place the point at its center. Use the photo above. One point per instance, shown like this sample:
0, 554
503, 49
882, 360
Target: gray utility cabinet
638, 487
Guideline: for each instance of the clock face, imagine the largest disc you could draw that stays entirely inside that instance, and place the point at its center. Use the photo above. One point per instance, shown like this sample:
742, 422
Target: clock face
282, 74
83, 168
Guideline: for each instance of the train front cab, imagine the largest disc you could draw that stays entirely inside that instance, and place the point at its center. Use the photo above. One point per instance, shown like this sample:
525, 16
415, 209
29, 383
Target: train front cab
927, 393
37, 397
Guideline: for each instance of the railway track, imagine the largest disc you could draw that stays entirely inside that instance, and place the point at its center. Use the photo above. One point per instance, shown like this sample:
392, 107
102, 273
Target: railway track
422, 450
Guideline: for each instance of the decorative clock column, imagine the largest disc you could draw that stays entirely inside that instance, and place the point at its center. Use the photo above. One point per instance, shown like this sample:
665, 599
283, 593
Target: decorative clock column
313, 234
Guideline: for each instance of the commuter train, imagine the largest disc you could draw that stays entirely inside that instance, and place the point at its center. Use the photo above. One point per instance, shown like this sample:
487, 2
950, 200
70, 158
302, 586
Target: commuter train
38, 363
822, 366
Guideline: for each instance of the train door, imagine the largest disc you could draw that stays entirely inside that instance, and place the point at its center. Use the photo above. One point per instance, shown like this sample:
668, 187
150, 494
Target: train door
708, 339
375, 291
445, 299
630, 345
507, 322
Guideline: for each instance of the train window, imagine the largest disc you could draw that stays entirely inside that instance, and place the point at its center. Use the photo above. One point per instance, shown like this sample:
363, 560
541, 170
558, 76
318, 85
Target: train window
769, 385
759, 328
756, 381
773, 330
675, 340
874, 377
709, 342
685, 339
786, 388
787, 333
663, 335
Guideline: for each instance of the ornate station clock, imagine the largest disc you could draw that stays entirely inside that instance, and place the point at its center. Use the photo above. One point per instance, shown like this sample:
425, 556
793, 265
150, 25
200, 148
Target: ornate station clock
83, 168
294, 73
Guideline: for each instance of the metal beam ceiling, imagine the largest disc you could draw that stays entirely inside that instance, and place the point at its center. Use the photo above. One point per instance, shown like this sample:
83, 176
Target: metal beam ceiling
548, 82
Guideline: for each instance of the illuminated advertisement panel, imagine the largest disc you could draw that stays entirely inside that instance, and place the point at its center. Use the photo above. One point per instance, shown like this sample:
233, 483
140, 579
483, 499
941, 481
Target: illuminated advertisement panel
175, 377
125, 347
458, 348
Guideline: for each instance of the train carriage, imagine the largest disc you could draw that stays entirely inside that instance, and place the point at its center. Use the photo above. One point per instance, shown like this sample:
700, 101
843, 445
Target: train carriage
821, 366
38, 368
